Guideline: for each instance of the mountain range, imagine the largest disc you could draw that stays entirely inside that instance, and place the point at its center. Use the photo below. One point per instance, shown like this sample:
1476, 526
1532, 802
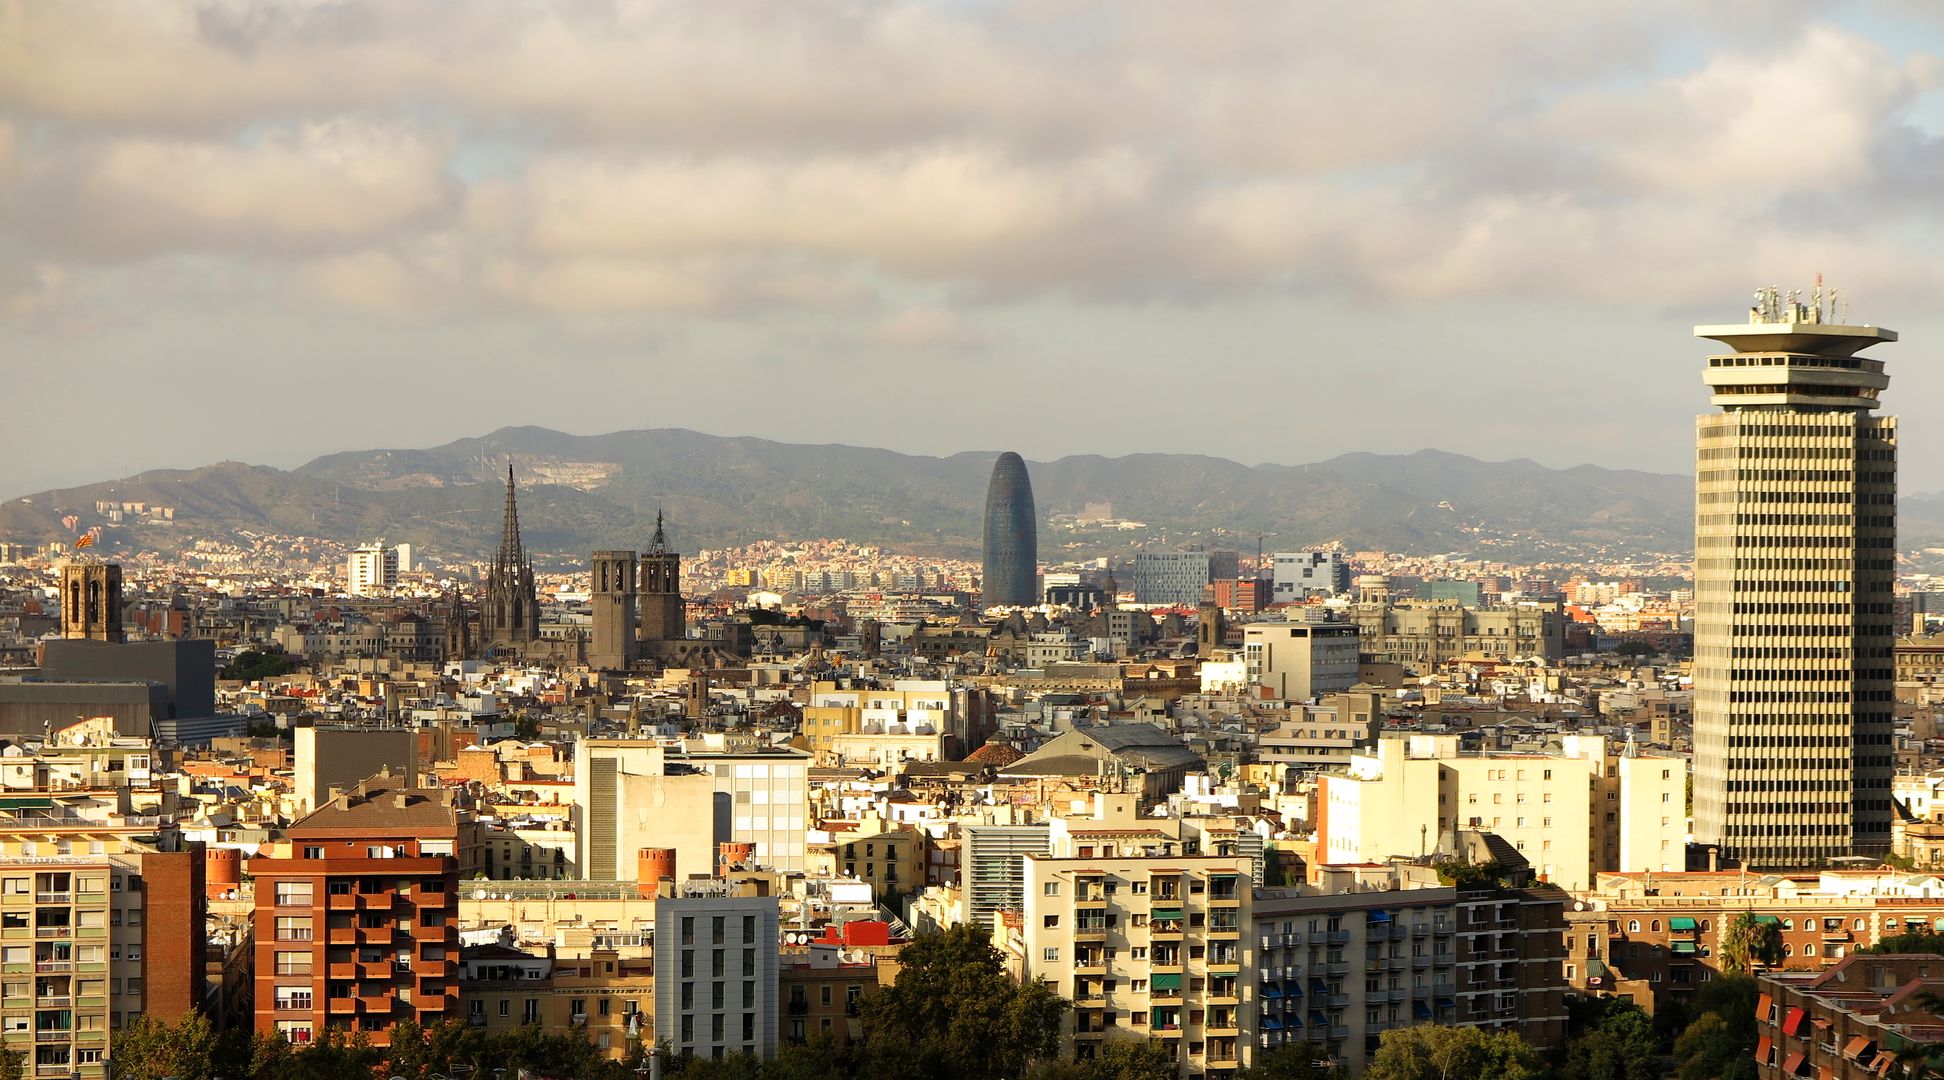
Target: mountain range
578, 493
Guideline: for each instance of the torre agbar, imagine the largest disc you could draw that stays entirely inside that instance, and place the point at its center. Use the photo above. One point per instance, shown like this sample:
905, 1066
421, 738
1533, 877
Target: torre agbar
1795, 553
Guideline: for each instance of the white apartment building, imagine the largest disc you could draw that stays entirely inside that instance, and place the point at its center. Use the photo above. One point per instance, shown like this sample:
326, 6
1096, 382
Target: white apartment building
715, 970
631, 794
372, 569
1300, 573
1572, 814
1298, 661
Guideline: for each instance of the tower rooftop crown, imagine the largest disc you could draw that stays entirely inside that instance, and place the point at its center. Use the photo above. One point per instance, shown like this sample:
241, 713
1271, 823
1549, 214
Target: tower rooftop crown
1809, 338
1791, 354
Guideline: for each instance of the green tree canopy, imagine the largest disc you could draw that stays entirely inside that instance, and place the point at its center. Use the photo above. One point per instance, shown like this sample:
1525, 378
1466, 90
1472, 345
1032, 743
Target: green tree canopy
954, 1014
1915, 941
1293, 1061
253, 664
1452, 1053
148, 1048
1621, 1046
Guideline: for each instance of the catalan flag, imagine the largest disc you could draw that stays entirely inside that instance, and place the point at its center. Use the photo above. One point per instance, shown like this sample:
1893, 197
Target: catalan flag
87, 539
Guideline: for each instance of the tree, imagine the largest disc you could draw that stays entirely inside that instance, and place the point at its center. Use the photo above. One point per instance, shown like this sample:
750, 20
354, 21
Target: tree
1621, 1047
1750, 940
13, 1064
253, 664
954, 1014
1134, 1059
1452, 1053
1293, 1061
1915, 941
1709, 1049
147, 1048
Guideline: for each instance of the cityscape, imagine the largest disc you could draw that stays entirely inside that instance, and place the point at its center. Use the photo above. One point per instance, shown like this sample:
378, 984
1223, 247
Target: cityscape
763, 542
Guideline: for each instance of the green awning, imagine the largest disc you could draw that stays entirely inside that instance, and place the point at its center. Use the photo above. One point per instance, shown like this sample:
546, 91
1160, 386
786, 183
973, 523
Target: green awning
1171, 981
1767, 919
1682, 922
1165, 913
26, 803
1684, 948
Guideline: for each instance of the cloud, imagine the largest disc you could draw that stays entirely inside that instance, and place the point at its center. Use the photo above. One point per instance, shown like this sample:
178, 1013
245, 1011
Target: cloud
320, 186
726, 157
926, 328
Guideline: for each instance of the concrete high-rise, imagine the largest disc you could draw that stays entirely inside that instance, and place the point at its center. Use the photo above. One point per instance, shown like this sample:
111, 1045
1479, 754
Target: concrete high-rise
1795, 555
1011, 535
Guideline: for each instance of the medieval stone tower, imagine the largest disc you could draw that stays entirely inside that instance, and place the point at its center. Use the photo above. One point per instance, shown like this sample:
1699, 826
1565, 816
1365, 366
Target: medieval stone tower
662, 617
614, 592
91, 601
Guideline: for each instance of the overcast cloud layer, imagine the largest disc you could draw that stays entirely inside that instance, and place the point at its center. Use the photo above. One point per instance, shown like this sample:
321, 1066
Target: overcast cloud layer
1270, 231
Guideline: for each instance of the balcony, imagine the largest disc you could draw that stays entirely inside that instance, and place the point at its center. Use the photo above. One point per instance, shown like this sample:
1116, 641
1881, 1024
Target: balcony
1090, 932
1090, 966
1420, 929
54, 1035
1338, 937
1217, 1029
342, 1005
54, 932
53, 965
1399, 931
1339, 1032
341, 901
54, 898
1225, 932
1167, 1031
336, 971
375, 935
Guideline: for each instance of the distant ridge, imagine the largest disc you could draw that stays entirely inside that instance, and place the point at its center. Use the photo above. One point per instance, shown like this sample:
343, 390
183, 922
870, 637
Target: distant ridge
582, 492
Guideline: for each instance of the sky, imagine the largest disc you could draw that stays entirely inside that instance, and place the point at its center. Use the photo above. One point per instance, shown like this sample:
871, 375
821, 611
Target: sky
1270, 231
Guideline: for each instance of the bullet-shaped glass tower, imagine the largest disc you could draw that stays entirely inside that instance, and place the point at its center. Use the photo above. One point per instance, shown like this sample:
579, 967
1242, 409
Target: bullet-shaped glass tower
1011, 536
1795, 555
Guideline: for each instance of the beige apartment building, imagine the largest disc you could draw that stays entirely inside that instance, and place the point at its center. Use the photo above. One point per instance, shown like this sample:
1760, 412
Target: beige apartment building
1427, 633
1153, 945
1572, 814
1795, 556
1145, 926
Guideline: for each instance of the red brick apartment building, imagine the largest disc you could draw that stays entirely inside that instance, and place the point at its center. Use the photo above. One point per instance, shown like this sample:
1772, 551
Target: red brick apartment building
1849, 1022
356, 917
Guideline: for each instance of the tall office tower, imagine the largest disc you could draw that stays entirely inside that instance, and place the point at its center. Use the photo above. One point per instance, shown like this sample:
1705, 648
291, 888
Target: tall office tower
371, 569
1011, 535
91, 601
615, 648
663, 617
509, 615
1794, 556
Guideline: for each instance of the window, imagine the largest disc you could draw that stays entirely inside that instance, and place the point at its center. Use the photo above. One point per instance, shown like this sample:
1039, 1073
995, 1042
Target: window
1633, 926
1052, 888
1051, 955
293, 928
293, 963
1052, 921
293, 999
297, 1032
293, 893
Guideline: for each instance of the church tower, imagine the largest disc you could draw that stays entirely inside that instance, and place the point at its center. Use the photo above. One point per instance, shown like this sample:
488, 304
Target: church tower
614, 593
91, 601
509, 615
662, 615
